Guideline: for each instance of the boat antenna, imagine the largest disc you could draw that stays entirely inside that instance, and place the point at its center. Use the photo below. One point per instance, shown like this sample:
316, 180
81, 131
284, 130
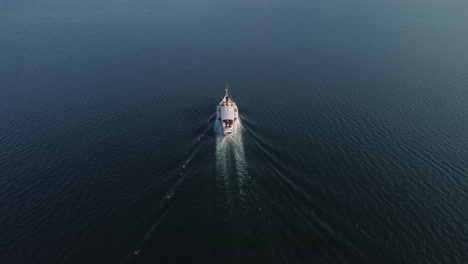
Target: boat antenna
227, 90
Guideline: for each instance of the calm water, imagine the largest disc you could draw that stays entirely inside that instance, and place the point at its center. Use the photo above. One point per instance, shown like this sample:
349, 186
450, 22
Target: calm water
353, 145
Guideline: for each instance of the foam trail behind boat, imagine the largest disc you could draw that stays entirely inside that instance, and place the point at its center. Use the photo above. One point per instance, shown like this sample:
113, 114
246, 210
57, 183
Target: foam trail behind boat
240, 161
222, 169
222, 159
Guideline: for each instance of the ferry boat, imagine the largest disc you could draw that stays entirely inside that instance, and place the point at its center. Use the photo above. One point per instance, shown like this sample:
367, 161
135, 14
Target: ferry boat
228, 114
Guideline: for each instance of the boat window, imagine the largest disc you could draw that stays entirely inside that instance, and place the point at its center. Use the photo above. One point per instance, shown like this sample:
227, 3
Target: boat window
228, 122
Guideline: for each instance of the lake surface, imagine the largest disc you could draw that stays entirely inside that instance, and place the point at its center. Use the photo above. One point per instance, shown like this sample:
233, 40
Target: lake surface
353, 146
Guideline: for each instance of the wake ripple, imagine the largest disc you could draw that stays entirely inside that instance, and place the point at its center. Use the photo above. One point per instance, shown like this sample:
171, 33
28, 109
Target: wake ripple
163, 206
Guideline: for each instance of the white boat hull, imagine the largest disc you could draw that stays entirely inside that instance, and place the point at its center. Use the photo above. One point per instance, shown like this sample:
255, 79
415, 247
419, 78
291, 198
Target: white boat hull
227, 115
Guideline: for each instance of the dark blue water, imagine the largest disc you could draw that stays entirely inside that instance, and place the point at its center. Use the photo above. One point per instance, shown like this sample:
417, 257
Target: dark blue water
353, 147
